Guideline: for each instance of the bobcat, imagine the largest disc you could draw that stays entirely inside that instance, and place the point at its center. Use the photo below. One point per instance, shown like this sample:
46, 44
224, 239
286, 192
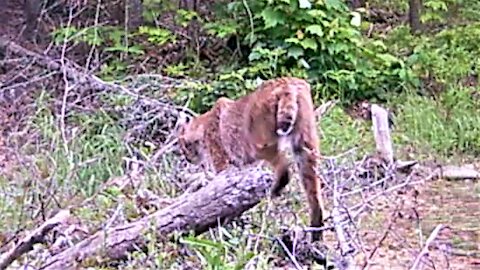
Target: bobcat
277, 116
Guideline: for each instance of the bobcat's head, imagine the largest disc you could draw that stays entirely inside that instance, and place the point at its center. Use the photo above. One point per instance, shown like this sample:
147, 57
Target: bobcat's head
190, 138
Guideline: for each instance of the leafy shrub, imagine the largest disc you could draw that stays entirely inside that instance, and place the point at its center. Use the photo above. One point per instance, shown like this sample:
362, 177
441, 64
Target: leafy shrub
320, 41
444, 59
450, 55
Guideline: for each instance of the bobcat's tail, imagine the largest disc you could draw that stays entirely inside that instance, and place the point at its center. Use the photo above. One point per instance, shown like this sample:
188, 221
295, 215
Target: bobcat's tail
287, 111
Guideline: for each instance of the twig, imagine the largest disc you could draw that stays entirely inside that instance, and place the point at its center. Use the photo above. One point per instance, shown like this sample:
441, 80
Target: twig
95, 36
25, 83
345, 246
386, 232
324, 108
424, 251
67, 89
250, 16
290, 255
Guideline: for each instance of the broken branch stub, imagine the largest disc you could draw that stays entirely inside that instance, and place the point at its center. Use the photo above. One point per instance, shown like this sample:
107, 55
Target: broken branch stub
381, 132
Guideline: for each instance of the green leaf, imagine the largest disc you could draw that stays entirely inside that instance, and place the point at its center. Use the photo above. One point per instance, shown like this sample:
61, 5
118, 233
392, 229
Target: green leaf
304, 4
309, 43
380, 44
315, 29
293, 40
317, 13
272, 17
387, 58
295, 52
255, 55
335, 4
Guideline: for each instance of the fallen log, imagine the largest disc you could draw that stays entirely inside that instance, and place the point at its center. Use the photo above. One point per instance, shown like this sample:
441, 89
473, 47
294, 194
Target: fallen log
463, 172
228, 195
36, 236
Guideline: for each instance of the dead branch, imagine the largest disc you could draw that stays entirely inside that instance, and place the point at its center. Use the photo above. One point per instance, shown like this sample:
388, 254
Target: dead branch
452, 172
381, 132
324, 108
36, 236
78, 75
228, 195
347, 251
386, 232
424, 251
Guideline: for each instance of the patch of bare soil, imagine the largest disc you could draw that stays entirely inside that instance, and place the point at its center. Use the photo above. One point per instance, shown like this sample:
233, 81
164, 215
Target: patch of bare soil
455, 205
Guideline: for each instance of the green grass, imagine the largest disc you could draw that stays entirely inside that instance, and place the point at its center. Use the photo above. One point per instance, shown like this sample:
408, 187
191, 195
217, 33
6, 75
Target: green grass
340, 133
446, 128
90, 153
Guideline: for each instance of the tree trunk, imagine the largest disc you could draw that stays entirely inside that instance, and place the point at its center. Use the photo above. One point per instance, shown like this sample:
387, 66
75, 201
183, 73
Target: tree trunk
414, 16
135, 14
356, 3
31, 11
228, 195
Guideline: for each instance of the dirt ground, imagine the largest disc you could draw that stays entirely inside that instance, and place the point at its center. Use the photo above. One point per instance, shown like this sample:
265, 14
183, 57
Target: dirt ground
455, 205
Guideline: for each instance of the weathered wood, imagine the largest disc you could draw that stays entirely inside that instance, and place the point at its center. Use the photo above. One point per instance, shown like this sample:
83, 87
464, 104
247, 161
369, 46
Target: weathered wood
424, 250
381, 132
346, 249
34, 237
324, 108
458, 172
228, 195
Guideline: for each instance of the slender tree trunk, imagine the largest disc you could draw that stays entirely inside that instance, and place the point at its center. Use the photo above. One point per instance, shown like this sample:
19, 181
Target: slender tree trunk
135, 14
357, 3
414, 16
31, 11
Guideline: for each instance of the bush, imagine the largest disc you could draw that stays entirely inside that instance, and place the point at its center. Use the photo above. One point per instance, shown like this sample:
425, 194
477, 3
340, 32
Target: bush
320, 41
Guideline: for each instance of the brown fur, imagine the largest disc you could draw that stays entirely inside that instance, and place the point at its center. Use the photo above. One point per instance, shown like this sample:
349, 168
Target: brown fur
279, 114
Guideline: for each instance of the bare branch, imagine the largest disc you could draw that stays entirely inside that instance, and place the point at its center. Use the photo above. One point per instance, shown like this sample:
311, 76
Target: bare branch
324, 108
36, 236
424, 251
